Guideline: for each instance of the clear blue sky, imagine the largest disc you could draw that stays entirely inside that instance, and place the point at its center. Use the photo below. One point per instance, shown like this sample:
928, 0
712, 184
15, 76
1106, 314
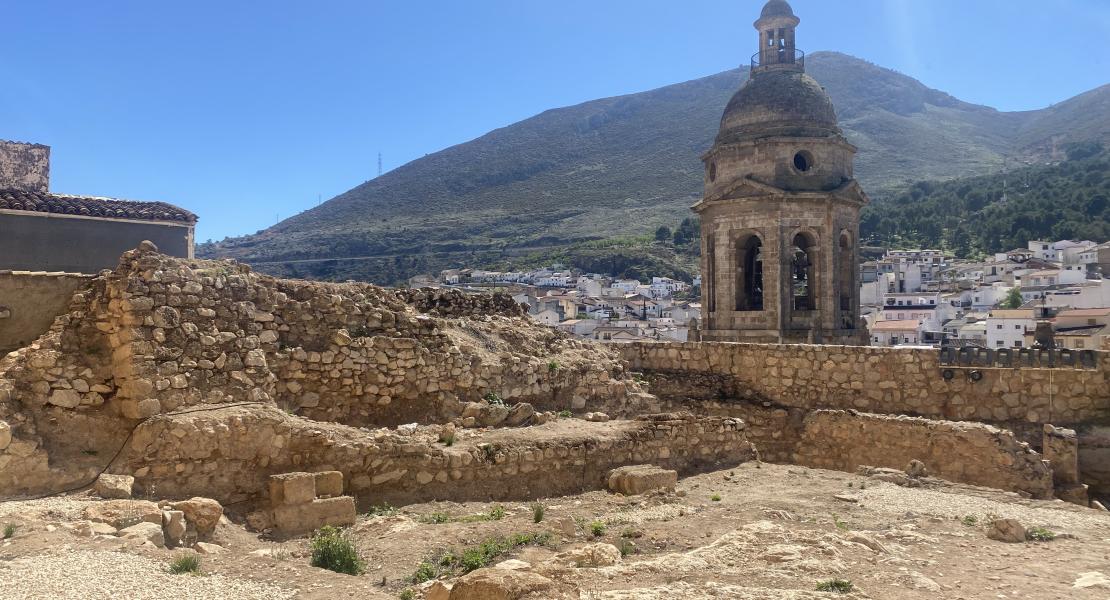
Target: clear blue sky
243, 111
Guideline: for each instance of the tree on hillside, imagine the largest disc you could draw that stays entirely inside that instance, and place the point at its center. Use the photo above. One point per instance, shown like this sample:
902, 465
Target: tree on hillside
1013, 299
663, 234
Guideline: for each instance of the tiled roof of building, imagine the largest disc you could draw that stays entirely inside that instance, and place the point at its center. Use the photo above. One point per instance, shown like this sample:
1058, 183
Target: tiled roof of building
1019, 313
1086, 312
89, 206
904, 325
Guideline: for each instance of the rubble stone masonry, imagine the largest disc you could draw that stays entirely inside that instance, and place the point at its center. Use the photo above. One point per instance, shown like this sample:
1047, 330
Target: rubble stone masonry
876, 380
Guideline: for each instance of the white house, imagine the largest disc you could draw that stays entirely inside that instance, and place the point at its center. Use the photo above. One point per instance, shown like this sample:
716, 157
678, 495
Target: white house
894, 333
1007, 328
1042, 250
547, 317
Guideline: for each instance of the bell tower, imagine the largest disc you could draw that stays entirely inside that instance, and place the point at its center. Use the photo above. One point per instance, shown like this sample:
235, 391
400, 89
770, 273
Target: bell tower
780, 212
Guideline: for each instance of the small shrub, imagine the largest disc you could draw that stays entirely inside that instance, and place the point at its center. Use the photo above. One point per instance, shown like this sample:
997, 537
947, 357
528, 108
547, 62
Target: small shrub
9, 531
425, 572
384, 509
537, 512
597, 528
715, 497
565, 414
839, 586
494, 399
89, 452
969, 520
489, 452
185, 563
1040, 534
842, 525
435, 518
449, 440
407, 594
552, 367
334, 551
627, 548
631, 533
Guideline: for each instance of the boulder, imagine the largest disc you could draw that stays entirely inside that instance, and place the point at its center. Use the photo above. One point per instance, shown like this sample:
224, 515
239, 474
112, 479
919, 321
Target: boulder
916, 468
65, 398
91, 529
501, 584
202, 513
5, 435
114, 486
207, 548
597, 417
592, 556
638, 479
493, 415
144, 532
1007, 530
124, 513
513, 565
520, 414
173, 527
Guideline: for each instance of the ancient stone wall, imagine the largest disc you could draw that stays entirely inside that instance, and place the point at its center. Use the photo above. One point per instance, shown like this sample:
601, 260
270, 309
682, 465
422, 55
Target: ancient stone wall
24, 167
971, 453
877, 380
177, 454
29, 302
161, 335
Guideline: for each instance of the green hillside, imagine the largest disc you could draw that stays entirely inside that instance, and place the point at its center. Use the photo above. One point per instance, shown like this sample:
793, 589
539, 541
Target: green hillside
1069, 200
624, 166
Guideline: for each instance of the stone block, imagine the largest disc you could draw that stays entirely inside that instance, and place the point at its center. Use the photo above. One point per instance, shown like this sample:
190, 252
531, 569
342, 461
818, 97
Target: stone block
173, 527
1007, 530
202, 513
299, 519
329, 483
145, 532
292, 488
501, 584
124, 513
114, 486
1061, 449
638, 479
1075, 493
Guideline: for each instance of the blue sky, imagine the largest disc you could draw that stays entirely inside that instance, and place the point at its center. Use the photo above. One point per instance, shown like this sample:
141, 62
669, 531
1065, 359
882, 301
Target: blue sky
245, 112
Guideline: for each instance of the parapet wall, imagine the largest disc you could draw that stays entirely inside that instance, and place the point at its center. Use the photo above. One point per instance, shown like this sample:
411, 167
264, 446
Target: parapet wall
177, 454
875, 380
971, 453
29, 302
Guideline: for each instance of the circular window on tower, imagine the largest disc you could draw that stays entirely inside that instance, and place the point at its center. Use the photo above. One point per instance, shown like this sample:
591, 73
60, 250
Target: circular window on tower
803, 161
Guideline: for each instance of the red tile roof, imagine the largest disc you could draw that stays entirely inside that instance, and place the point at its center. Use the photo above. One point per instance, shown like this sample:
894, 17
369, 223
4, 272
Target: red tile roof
88, 206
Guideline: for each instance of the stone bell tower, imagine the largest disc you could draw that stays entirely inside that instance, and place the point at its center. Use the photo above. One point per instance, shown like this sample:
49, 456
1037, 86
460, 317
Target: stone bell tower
780, 213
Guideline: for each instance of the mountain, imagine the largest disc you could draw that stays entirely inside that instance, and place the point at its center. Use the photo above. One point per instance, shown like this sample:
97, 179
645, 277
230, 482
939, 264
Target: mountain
972, 215
625, 165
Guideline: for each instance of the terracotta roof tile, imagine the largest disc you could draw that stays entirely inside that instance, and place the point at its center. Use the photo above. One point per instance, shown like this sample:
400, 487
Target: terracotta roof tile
89, 206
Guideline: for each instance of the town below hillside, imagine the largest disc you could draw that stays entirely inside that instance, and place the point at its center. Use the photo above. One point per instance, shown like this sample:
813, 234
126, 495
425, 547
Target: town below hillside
908, 298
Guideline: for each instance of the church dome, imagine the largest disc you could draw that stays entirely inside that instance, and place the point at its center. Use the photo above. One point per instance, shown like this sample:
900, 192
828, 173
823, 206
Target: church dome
777, 8
775, 103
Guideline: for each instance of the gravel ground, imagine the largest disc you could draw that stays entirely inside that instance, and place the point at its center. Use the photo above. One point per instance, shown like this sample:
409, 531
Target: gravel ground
93, 575
55, 507
892, 499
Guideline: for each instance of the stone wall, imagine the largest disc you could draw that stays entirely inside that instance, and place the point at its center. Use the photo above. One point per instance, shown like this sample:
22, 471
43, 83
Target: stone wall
29, 302
177, 454
877, 380
162, 335
24, 166
971, 453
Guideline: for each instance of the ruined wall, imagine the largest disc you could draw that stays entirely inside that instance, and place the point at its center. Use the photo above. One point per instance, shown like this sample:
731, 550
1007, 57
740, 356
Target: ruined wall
877, 380
24, 167
160, 335
29, 302
178, 455
970, 453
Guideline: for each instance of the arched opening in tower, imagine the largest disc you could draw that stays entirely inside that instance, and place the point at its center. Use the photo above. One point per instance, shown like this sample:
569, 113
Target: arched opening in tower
802, 265
749, 274
845, 281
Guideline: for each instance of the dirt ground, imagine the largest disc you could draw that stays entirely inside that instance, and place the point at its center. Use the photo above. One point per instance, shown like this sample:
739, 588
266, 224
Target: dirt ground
755, 531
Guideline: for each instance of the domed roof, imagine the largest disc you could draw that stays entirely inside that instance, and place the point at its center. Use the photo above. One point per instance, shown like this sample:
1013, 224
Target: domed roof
779, 102
777, 8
